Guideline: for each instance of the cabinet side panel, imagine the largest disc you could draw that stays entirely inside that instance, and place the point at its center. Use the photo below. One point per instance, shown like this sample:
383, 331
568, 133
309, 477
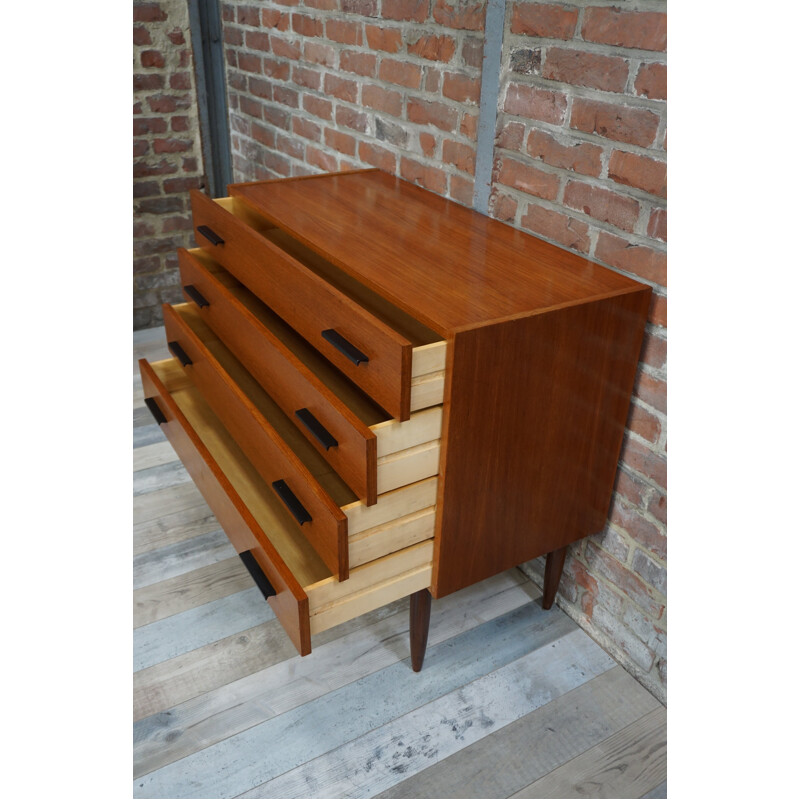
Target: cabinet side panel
533, 431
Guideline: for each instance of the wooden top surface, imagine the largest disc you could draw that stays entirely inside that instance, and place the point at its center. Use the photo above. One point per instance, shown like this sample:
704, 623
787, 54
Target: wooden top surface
446, 265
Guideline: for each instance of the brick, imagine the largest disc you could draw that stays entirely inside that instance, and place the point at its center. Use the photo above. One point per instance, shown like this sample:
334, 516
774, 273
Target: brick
367, 8
380, 99
141, 35
654, 351
143, 228
433, 79
277, 163
359, 63
641, 172
651, 390
461, 88
256, 40
652, 573
643, 423
638, 259
142, 83
171, 145
290, 146
278, 117
533, 103
184, 57
145, 170
472, 51
343, 89
602, 204
625, 639
433, 48
643, 460
526, 61
631, 488
285, 48
344, 32
608, 567
180, 81
462, 189
160, 205
411, 10
580, 157
426, 112
461, 14
548, 21
565, 230
259, 87
317, 53
503, 207
251, 107
265, 136
643, 30
389, 132
146, 264
238, 82
250, 63
401, 73
342, 142
657, 315
389, 40
233, 36
511, 136
613, 543
247, 15
148, 12
527, 178
171, 224
145, 188
651, 81
321, 159
579, 68
310, 78
275, 19
176, 36
325, 5
428, 177
621, 123
349, 118
307, 26
640, 530
657, 225
189, 164
318, 107
145, 125
658, 508
427, 142
460, 155
307, 129
377, 156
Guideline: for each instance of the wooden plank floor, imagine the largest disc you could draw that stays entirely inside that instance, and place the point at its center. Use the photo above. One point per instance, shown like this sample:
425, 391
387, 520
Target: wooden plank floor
512, 701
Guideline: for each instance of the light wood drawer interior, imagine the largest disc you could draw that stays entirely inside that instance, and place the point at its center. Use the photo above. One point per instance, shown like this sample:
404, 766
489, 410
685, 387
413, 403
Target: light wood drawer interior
387, 575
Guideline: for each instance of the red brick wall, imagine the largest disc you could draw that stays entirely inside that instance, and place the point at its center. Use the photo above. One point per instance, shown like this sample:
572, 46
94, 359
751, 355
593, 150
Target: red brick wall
167, 157
579, 159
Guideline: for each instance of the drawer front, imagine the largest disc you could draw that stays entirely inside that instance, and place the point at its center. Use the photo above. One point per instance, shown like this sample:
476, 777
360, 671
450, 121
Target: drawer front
321, 521
341, 329
288, 381
290, 604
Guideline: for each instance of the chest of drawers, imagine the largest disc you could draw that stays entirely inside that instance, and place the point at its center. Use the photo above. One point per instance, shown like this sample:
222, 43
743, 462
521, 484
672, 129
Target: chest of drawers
383, 394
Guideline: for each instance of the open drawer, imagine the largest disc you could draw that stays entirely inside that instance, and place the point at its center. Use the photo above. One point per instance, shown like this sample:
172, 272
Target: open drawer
357, 437
374, 343
317, 498
308, 598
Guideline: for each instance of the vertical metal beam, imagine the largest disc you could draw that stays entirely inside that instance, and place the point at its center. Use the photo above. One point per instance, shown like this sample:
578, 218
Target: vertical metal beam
206, 30
490, 87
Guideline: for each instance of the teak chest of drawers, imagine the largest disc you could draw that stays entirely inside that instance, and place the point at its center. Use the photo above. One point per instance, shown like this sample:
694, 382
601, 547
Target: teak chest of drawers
381, 393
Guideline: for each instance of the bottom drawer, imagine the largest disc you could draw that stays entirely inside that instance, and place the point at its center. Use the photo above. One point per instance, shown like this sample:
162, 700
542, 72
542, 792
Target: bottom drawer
308, 598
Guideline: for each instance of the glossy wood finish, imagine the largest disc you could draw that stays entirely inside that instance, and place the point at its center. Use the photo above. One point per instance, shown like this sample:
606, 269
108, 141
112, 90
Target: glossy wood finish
264, 446
530, 453
554, 566
447, 266
419, 623
288, 378
291, 602
292, 290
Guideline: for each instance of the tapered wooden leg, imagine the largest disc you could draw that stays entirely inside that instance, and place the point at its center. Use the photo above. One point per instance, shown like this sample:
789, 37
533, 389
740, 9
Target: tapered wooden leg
420, 618
552, 575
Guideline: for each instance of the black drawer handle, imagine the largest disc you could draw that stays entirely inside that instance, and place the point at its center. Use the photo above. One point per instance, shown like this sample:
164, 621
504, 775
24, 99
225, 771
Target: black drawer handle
194, 294
318, 431
157, 413
344, 347
291, 502
257, 574
179, 353
212, 237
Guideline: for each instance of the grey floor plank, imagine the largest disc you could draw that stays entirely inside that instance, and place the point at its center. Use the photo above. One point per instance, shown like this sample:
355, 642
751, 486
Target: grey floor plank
191, 629
160, 477
147, 434
184, 556
659, 791
155, 505
341, 655
173, 528
290, 739
175, 595
626, 764
153, 455
525, 750
408, 743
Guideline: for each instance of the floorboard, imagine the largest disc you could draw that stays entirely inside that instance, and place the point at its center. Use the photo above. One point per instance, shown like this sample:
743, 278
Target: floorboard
511, 701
